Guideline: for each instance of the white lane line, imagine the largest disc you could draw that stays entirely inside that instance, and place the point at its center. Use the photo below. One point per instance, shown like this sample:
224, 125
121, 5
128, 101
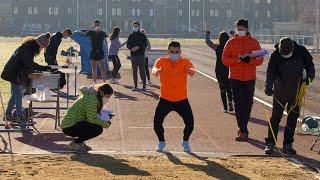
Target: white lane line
255, 98
120, 121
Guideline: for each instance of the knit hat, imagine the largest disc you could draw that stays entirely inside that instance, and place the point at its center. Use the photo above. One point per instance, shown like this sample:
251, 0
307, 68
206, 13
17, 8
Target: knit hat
286, 46
43, 39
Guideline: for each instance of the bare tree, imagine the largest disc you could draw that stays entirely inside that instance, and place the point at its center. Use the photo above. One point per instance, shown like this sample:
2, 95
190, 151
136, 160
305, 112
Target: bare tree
298, 8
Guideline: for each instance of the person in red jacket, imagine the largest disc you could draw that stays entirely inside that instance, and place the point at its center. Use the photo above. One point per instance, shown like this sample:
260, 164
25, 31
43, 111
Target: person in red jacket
242, 73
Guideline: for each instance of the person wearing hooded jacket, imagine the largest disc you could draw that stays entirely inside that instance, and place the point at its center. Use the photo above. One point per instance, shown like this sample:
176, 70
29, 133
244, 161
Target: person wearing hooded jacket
82, 121
284, 78
222, 71
21, 64
242, 74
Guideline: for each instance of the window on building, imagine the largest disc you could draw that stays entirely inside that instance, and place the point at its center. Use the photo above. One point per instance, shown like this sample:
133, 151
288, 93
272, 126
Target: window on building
180, 12
50, 11
216, 13
192, 12
35, 10
100, 11
229, 13
257, 1
133, 12
257, 13
151, 0
197, 12
118, 11
15, 10
180, 0
138, 12
29, 10
56, 11
269, 1
268, 14
151, 12
211, 12
114, 12
70, 11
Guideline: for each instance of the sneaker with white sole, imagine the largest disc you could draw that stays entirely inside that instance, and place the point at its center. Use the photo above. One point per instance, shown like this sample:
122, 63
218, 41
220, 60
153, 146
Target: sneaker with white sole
149, 82
78, 147
161, 146
186, 146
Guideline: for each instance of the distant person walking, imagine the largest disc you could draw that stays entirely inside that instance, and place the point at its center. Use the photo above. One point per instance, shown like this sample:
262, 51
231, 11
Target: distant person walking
137, 43
97, 54
222, 71
173, 71
113, 54
146, 58
242, 73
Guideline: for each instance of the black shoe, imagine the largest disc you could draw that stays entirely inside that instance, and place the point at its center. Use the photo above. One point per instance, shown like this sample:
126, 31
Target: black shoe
269, 150
288, 150
231, 107
242, 136
134, 89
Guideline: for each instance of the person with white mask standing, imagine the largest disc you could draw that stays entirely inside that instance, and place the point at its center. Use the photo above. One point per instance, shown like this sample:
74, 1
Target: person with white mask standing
137, 44
242, 73
173, 71
82, 119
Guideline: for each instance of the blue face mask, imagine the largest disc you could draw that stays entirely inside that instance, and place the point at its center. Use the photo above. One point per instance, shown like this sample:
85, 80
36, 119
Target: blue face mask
174, 57
135, 29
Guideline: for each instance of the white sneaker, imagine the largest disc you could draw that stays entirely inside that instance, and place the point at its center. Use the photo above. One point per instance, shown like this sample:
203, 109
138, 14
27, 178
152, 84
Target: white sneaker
114, 81
186, 146
78, 148
111, 81
161, 146
149, 82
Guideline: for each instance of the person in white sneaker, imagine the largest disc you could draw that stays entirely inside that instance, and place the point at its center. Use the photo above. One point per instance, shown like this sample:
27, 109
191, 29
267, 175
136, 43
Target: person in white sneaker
113, 54
173, 96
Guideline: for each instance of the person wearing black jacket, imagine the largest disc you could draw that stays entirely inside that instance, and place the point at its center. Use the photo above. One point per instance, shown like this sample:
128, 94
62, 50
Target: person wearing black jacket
51, 51
290, 64
222, 71
20, 64
137, 43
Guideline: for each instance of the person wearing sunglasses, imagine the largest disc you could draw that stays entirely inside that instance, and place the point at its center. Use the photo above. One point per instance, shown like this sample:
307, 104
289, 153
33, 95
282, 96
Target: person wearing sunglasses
173, 71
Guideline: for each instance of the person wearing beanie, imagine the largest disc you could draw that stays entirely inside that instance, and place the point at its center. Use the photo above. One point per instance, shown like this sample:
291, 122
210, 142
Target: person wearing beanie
236, 56
51, 51
20, 65
285, 74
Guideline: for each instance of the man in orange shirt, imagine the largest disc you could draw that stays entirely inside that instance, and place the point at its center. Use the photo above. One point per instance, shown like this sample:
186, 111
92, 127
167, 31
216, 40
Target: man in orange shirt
242, 73
173, 71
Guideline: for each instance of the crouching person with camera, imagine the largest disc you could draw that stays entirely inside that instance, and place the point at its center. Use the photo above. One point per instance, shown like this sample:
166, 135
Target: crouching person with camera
83, 120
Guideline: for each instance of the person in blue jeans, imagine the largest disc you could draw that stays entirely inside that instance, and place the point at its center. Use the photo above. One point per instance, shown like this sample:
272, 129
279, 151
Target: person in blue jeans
17, 69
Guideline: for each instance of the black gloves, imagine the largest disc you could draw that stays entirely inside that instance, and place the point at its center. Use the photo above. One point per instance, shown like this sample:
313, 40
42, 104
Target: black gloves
308, 80
268, 91
245, 59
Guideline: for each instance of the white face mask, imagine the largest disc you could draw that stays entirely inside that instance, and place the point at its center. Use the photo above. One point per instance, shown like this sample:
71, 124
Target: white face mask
135, 29
287, 56
174, 57
105, 100
241, 33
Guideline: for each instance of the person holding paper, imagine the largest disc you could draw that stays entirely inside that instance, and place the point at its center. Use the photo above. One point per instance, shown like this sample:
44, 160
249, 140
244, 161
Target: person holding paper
82, 119
242, 73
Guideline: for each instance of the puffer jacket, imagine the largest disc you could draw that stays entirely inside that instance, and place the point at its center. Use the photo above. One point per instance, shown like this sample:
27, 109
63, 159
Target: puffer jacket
236, 47
285, 75
84, 109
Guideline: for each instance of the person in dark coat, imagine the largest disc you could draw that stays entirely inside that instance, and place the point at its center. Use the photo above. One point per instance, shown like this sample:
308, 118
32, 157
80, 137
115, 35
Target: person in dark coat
20, 64
290, 64
51, 51
222, 71
137, 44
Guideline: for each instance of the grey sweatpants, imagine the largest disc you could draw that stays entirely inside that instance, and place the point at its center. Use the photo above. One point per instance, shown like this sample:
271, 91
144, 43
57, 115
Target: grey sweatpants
138, 61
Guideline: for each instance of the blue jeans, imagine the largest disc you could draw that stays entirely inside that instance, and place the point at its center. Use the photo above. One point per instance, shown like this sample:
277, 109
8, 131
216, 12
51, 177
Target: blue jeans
15, 100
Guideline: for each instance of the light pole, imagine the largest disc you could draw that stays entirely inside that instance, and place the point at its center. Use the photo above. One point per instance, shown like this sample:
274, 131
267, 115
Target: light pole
317, 26
154, 16
203, 22
77, 14
107, 15
189, 16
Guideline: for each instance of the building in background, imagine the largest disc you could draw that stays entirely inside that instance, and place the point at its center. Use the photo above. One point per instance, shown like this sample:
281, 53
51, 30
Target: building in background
156, 16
